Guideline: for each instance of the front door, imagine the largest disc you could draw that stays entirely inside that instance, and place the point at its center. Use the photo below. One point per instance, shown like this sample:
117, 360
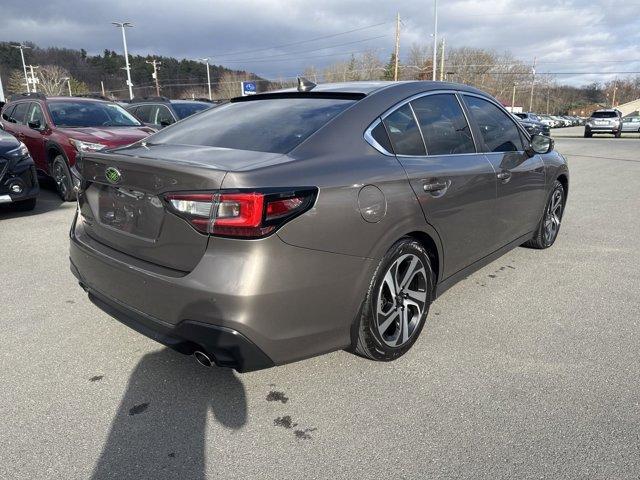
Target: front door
521, 175
455, 185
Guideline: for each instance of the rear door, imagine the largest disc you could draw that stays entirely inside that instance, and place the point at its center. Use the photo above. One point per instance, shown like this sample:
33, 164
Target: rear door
456, 186
520, 175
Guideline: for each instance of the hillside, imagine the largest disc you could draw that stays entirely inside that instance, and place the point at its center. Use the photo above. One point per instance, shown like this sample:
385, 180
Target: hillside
178, 77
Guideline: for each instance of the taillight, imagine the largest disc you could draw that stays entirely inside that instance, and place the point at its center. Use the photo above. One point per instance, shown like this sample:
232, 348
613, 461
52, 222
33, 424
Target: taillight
242, 214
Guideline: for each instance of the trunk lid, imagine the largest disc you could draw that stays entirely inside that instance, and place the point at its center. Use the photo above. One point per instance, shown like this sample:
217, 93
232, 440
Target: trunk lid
121, 202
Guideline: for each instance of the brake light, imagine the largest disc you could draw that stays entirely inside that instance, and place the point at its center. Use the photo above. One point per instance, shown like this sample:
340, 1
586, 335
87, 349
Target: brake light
240, 214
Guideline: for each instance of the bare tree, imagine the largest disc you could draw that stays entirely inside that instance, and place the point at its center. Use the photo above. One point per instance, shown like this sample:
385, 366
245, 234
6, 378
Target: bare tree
229, 85
52, 79
16, 83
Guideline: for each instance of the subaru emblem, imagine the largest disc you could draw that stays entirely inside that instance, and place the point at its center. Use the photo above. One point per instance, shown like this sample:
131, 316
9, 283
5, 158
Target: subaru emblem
113, 174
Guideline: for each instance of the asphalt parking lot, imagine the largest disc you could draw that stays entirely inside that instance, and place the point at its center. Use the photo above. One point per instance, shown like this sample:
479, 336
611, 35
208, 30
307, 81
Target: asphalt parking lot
530, 368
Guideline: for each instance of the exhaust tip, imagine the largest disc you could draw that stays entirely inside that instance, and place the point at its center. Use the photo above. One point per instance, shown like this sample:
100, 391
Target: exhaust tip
203, 359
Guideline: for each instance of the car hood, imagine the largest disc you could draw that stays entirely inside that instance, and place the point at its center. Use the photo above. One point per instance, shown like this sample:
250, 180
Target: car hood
7, 142
110, 136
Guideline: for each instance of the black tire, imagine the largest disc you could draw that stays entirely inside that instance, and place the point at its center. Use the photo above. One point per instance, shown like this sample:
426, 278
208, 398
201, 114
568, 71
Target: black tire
25, 205
618, 134
369, 342
588, 134
543, 238
63, 179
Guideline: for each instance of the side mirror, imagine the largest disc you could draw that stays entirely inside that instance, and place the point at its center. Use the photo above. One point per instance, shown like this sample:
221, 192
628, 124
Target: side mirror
35, 124
541, 144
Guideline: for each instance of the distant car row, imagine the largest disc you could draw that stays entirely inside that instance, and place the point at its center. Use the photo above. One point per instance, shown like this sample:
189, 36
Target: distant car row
50, 131
612, 122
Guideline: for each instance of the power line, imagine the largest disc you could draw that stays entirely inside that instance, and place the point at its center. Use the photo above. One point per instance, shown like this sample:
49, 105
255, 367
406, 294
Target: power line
225, 54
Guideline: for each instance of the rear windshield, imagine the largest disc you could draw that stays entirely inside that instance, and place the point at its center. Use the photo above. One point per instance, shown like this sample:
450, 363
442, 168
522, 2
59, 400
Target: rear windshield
604, 115
275, 125
69, 113
183, 110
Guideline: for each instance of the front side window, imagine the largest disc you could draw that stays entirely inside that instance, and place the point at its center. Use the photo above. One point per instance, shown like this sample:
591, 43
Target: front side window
444, 127
6, 115
404, 132
498, 131
69, 113
163, 116
275, 125
20, 113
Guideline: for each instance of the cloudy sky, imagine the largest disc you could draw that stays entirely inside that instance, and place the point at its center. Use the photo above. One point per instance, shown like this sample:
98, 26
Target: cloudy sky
277, 38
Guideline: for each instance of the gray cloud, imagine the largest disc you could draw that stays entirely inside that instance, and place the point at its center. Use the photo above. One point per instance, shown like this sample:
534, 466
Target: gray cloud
565, 36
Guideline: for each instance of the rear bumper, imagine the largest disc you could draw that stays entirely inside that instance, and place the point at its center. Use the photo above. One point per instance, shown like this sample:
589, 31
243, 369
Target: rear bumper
227, 347
288, 303
602, 129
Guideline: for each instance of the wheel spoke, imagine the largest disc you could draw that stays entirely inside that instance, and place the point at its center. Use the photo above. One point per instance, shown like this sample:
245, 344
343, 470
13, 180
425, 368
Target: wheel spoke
417, 298
391, 284
404, 336
388, 321
408, 274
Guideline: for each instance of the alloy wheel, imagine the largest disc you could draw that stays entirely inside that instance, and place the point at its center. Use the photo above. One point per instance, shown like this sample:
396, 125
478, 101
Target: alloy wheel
60, 178
402, 298
553, 216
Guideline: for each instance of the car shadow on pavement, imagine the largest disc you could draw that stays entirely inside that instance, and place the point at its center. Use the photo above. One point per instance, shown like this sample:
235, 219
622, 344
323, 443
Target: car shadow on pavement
160, 428
48, 200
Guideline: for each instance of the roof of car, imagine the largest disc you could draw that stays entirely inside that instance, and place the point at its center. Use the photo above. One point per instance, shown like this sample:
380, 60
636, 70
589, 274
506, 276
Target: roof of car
367, 87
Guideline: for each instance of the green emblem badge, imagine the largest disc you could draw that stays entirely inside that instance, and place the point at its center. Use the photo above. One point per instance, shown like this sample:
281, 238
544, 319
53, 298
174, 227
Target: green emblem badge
113, 174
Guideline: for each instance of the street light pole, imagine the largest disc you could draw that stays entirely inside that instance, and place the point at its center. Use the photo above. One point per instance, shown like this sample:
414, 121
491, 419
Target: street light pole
435, 39
533, 82
34, 80
122, 26
513, 96
24, 65
206, 60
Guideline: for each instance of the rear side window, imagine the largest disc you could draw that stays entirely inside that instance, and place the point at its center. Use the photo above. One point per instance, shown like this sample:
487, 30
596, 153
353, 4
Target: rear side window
404, 132
275, 125
444, 127
498, 131
144, 113
379, 134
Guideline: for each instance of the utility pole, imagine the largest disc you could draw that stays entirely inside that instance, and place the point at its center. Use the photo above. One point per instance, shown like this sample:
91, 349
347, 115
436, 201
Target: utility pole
533, 81
397, 51
548, 98
513, 96
34, 80
102, 88
123, 25
435, 39
155, 64
206, 60
442, 61
24, 65
615, 88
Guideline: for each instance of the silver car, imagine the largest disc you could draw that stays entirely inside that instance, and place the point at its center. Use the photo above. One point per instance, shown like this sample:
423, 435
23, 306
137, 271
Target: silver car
285, 225
604, 121
631, 124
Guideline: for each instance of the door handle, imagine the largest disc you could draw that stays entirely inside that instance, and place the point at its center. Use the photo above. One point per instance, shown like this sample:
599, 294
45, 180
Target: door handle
504, 176
435, 186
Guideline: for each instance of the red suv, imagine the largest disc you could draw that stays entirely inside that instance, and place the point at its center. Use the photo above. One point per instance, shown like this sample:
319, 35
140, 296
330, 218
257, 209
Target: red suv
55, 129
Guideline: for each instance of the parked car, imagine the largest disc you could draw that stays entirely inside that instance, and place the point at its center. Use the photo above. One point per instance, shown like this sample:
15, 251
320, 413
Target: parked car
284, 225
55, 129
547, 120
631, 124
604, 121
532, 124
18, 178
160, 112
